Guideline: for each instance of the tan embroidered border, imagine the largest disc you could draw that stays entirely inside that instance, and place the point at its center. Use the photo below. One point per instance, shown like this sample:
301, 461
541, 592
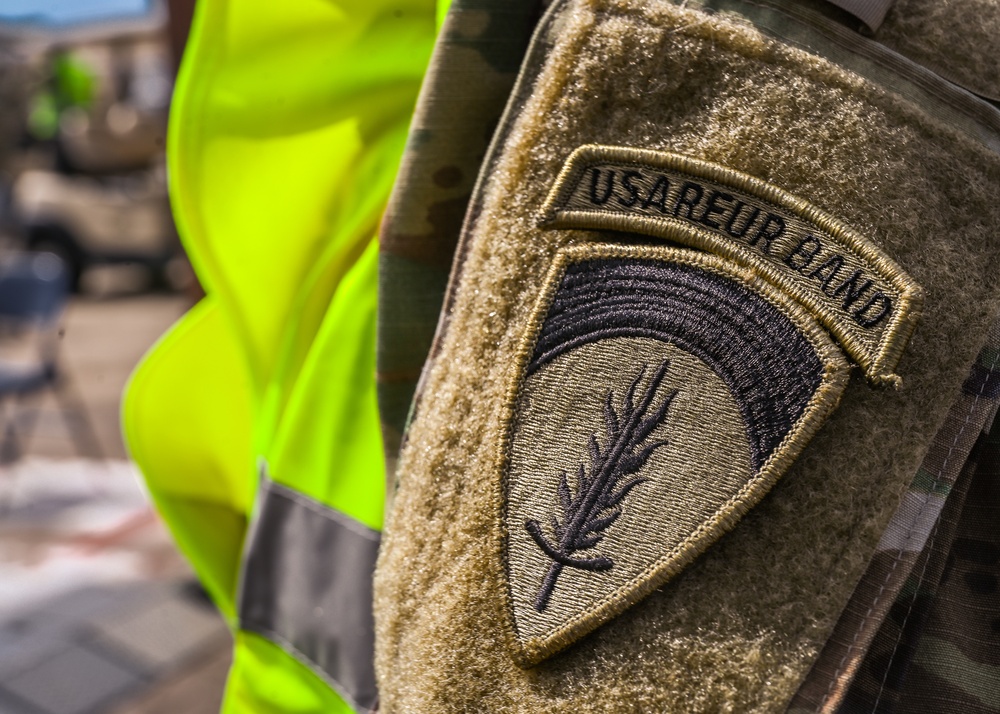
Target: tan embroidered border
823, 402
877, 351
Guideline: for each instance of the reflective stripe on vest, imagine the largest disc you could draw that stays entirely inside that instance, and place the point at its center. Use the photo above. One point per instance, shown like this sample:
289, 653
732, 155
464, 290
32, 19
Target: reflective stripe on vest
307, 587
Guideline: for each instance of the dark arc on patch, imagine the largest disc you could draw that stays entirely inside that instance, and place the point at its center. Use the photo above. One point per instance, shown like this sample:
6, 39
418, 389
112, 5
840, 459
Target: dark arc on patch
765, 360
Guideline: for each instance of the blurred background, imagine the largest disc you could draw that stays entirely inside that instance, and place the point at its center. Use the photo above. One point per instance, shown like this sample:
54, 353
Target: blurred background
98, 612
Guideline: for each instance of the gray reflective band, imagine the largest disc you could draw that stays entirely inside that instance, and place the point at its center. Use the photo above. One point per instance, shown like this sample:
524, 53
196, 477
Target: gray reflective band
870, 12
307, 586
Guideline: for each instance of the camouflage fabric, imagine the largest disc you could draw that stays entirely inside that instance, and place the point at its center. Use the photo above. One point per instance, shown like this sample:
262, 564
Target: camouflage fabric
471, 75
901, 569
939, 648
922, 631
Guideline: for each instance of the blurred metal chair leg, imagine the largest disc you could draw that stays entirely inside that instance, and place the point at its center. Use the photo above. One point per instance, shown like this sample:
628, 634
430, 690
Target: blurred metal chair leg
33, 295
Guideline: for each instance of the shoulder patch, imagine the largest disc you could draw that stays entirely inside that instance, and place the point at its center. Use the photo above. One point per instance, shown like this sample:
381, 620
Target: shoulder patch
659, 394
864, 298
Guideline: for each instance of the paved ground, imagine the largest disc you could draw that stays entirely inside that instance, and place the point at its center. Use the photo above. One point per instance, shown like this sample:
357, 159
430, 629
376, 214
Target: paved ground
98, 613
104, 340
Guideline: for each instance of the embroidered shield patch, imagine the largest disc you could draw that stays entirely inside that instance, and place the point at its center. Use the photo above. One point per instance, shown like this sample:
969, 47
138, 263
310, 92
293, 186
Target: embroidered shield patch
661, 393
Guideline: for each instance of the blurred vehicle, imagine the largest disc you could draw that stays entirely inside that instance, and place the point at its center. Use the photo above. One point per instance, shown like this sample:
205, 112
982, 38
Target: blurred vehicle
85, 176
88, 220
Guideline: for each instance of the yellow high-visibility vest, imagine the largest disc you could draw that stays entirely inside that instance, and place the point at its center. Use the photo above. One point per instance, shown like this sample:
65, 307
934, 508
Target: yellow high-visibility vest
254, 419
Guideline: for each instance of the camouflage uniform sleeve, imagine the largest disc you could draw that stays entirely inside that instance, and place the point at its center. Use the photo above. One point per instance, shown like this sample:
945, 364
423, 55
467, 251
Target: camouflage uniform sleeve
689, 357
470, 77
